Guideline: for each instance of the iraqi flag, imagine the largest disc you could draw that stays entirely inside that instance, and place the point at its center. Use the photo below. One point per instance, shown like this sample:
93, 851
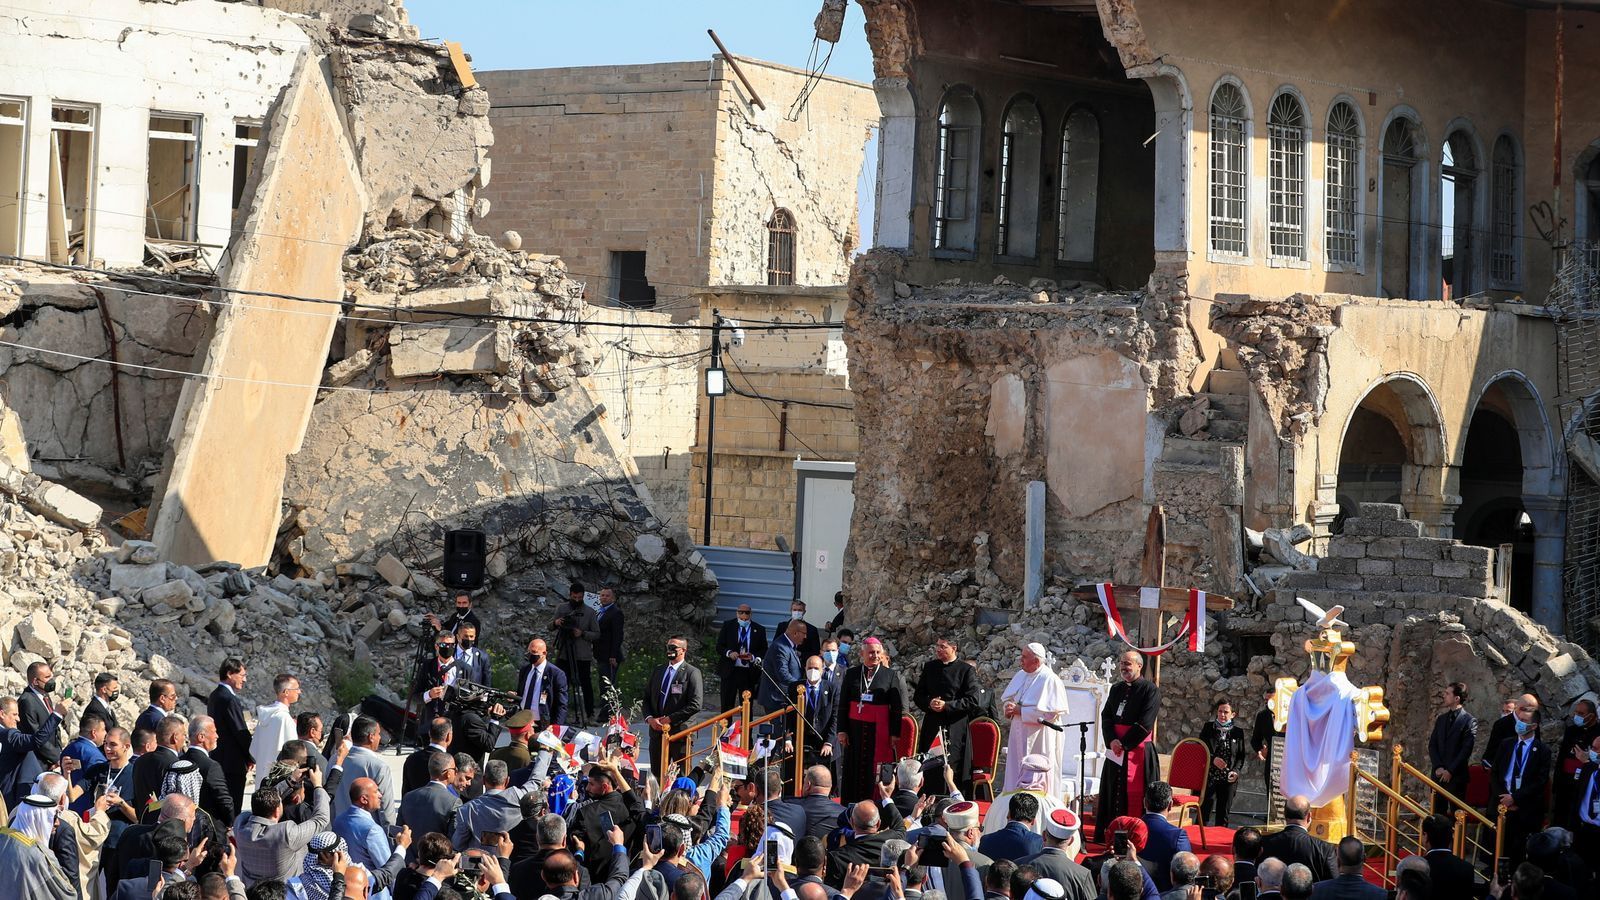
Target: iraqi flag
935, 749
735, 760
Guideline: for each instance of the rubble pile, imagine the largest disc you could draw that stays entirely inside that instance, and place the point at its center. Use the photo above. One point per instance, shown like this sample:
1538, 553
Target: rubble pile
409, 259
1283, 344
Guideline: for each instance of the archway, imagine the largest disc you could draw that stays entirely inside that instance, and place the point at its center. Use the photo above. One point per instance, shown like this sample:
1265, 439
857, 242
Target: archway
1403, 195
1393, 452
1511, 492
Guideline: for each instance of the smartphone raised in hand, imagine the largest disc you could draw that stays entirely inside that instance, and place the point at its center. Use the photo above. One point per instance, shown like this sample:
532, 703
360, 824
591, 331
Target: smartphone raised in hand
607, 822
652, 837
930, 847
772, 856
885, 772
1121, 844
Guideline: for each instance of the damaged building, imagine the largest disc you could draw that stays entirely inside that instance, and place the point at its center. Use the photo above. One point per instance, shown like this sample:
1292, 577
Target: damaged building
1272, 272
249, 319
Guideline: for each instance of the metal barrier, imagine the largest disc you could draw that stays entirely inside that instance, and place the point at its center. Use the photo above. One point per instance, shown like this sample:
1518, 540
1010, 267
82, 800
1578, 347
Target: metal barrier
1394, 822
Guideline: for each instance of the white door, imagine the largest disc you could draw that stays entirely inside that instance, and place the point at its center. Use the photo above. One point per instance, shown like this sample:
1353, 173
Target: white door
825, 528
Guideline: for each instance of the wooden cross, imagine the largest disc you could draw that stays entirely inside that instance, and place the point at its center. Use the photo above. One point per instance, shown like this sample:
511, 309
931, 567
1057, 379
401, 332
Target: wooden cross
1152, 572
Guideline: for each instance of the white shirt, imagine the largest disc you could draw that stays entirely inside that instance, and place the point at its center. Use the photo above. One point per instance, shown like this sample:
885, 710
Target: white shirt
533, 687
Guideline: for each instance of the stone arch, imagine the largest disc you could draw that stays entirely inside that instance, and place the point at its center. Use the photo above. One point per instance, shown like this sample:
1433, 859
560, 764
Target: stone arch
1393, 448
1530, 513
1463, 186
1403, 205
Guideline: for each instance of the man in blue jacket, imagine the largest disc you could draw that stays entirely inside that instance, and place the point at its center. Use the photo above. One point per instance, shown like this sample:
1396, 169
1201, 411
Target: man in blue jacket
18, 764
782, 668
1166, 839
1018, 839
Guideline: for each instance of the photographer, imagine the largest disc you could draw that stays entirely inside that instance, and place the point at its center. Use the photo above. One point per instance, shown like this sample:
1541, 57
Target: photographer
479, 875
461, 615
270, 848
576, 629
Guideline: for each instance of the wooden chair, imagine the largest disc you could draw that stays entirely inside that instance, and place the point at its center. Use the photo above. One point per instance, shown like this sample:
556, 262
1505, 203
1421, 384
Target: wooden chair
906, 744
1188, 774
983, 738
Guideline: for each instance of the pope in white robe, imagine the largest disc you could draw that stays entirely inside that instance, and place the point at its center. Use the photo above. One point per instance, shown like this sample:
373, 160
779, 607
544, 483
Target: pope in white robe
1034, 696
274, 728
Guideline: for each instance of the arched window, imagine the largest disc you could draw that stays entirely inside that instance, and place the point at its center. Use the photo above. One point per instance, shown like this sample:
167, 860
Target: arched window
1077, 203
1286, 182
780, 247
955, 200
1401, 218
1341, 227
1504, 255
1021, 152
1458, 175
1230, 122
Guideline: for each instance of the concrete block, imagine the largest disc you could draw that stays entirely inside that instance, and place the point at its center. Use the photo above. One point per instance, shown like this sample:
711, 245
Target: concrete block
129, 579
175, 594
1403, 528
1414, 567
1345, 583
1465, 587
1419, 584
1358, 527
1346, 549
1476, 556
393, 570
1386, 548
1381, 511
1336, 566
1374, 567
460, 347
1424, 548
1384, 583
1449, 568
35, 634
141, 553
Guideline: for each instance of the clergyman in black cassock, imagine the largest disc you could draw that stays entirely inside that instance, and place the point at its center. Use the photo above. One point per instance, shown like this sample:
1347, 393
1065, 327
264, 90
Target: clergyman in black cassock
954, 685
1127, 721
871, 701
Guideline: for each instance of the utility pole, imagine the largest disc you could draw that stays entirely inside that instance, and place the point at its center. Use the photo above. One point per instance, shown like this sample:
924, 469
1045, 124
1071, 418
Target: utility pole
716, 386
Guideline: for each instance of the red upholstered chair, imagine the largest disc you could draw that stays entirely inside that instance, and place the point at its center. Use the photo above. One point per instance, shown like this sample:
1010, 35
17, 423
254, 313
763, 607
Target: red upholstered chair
1477, 787
983, 736
906, 744
1188, 776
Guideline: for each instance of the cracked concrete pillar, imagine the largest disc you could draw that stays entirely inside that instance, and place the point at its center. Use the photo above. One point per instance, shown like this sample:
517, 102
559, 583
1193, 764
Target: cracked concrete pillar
897, 147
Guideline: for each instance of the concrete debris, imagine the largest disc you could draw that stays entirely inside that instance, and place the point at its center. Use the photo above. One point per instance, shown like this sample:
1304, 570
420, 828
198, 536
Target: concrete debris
829, 23
54, 502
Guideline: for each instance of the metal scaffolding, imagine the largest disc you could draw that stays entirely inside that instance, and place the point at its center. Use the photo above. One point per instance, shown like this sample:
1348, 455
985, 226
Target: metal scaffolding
1575, 301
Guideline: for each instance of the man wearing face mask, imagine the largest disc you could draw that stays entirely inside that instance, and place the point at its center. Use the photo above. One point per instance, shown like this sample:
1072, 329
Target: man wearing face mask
106, 691
542, 686
1587, 835
672, 696
821, 707
1520, 776
34, 705
576, 629
472, 661
741, 647
1226, 742
439, 675
947, 694
832, 664
1581, 731
812, 644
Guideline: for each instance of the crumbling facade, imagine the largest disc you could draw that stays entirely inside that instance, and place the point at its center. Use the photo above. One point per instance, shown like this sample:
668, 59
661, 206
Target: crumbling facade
655, 180
1256, 286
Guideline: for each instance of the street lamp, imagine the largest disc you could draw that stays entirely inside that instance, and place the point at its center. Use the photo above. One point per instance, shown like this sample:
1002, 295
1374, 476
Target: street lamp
716, 386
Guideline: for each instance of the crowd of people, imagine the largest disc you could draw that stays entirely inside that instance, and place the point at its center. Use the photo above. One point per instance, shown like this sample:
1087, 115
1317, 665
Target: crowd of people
161, 809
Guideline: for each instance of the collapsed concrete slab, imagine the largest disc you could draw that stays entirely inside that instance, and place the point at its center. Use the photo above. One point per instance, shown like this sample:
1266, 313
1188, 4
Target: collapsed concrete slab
246, 412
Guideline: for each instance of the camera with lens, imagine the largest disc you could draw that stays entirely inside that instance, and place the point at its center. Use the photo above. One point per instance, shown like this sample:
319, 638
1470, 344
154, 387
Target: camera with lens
469, 696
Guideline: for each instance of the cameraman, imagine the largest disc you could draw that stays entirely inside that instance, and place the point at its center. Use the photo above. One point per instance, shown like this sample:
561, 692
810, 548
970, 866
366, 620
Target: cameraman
461, 615
576, 629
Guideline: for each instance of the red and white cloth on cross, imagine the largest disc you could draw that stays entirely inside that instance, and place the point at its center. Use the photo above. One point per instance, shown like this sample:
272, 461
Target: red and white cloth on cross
1194, 620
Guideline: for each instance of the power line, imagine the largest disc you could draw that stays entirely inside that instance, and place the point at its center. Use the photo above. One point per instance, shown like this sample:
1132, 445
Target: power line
486, 317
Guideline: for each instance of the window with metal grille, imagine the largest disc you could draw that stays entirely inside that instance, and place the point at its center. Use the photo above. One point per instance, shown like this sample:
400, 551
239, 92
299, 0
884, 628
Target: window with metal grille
1286, 178
1341, 234
1229, 206
1017, 207
954, 210
1078, 199
1503, 258
780, 247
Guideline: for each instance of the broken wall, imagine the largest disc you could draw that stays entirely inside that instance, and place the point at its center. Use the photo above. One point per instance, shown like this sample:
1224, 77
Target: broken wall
246, 412
811, 166
88, 423
965, 394
228, 62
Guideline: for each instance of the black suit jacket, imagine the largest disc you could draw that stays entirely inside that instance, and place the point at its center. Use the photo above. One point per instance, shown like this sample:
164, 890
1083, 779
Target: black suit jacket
683, 699
1503, 728
215, 797
821, 720
1450, 747
1453, 876
609, 646
414, 773
1296, 845
99, 708
552, 699
1530, 796
30, 715
233, 735
148, 770
728, 641
148, 720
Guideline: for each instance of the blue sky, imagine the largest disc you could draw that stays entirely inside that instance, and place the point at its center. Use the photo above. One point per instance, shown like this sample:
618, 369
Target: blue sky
539, 34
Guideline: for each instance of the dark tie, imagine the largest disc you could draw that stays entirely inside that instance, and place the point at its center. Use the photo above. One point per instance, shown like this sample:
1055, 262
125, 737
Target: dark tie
666, 685
1515, 781
811, 698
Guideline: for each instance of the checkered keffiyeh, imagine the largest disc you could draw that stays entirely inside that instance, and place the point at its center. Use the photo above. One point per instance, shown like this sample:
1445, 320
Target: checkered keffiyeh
316, 881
